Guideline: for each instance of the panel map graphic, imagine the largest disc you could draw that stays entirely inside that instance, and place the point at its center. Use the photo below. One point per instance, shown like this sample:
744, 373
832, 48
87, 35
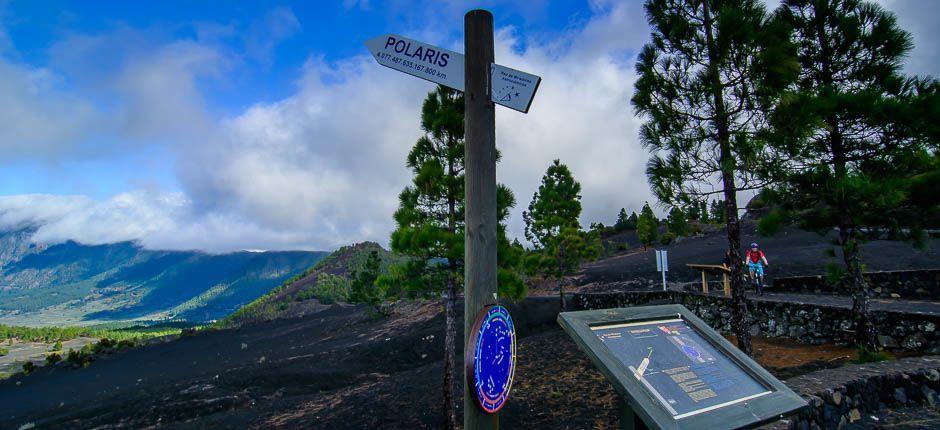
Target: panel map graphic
682, 370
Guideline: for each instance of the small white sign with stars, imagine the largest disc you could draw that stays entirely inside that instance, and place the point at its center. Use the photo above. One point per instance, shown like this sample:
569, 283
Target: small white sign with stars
513, 88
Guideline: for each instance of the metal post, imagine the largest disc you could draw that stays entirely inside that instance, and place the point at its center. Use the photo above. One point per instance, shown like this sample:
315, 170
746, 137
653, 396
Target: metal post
664, 280
629, 420
480, 184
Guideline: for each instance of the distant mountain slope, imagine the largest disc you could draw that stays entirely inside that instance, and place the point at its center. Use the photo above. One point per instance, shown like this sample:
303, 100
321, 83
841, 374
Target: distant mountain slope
76, 283
297, 296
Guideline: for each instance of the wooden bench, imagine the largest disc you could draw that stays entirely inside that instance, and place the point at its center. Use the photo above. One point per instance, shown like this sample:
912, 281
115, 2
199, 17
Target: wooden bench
716, 269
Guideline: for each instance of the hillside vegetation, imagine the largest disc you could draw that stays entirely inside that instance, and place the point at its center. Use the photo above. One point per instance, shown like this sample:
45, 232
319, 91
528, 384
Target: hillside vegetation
72, 283
325, 283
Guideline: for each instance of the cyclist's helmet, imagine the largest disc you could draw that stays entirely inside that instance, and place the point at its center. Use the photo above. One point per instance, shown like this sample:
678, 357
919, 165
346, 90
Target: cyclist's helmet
754, 245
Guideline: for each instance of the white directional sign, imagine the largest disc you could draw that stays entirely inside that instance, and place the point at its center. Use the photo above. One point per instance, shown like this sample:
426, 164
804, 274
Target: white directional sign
512, 88
509, 87
419, 59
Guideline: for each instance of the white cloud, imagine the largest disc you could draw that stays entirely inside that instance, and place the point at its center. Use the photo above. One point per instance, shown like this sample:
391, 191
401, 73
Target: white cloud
323, 166
38, 120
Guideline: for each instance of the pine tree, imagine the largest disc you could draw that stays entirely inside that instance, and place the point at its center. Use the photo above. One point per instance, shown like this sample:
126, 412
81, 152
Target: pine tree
692, 211
622, 220
676, 222
702, 81
717, 210
647, 226
552, 225
846, 130
363, 288
431, 229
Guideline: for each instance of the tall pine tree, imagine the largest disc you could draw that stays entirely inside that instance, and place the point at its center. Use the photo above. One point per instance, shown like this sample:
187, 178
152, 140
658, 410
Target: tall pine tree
647, 226
846, 128
701, 81
552, 225
431, 229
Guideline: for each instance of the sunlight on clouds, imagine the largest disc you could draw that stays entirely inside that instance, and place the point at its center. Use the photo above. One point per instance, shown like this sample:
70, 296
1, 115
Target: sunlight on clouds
323, 166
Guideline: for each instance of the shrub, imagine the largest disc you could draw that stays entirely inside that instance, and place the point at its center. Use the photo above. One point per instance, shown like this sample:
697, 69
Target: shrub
331, 288
28, 367
771, 223
57, 346
835, 273
52, 359
4, 351
667, 238
79, 358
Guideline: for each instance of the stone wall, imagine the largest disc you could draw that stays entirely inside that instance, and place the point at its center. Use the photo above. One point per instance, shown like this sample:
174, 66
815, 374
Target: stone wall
804, 322
907, 284
841, 396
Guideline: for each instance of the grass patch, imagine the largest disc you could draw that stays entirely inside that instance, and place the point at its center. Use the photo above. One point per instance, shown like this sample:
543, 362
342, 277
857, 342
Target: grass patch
866, 356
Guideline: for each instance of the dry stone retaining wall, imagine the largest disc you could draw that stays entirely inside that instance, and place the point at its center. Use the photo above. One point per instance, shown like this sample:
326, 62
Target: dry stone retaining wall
838, 397
906, 284
804, 322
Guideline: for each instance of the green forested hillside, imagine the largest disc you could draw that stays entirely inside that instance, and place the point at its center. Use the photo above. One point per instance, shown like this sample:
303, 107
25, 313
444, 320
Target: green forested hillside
72, 283
325, 283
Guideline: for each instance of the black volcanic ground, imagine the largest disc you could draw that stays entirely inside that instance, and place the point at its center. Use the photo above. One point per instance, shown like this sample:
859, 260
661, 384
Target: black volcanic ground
344, 369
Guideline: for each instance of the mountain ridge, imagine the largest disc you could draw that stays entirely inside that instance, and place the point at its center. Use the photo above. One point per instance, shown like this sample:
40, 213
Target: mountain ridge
74, 283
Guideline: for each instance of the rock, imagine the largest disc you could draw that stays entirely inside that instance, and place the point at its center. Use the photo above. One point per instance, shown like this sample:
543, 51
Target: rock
933, 375
754, 330
854, 415
836, 398
887, 341
895, 296
914, 341
931, 398
796, 331
900, 396
928, 327
244, 346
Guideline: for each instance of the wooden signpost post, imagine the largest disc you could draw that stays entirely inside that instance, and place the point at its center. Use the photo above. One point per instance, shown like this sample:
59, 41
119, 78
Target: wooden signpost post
513, 89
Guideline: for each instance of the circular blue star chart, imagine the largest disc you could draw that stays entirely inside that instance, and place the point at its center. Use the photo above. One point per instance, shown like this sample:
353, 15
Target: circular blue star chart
494, 358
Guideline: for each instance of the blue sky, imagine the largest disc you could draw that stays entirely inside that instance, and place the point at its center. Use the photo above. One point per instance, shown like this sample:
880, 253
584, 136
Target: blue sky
231, 125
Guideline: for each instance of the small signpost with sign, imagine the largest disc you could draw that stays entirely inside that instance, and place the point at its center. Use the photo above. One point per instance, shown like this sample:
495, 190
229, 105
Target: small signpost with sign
662, 264
484, 83
673, 371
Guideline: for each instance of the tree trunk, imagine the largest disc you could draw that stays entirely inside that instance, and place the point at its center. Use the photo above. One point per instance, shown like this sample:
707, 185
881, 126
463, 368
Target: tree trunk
866, 333
450, 356
739, 314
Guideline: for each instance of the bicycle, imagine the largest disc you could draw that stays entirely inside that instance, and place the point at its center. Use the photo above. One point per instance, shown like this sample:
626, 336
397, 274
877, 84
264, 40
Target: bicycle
756, 281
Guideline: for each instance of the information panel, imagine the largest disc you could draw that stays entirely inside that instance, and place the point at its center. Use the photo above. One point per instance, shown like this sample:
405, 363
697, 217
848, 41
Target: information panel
675, 372
682, 370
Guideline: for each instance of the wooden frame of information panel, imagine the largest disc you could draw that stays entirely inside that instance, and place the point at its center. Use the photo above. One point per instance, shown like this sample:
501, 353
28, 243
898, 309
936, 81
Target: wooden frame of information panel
746, 413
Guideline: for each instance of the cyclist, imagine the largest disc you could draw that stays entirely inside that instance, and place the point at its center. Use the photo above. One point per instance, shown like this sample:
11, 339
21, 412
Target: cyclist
754, 257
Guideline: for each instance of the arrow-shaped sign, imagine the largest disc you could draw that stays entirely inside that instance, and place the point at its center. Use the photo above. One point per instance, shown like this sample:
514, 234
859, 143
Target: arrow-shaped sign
419, 59
509, 87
